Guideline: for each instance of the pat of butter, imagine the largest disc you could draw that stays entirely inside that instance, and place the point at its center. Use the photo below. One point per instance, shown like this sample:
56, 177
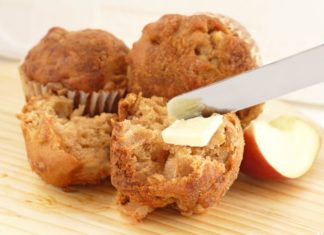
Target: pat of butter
195, 132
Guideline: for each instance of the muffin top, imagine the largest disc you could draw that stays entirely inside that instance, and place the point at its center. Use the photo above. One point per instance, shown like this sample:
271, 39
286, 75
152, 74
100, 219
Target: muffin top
87, 60
179, 53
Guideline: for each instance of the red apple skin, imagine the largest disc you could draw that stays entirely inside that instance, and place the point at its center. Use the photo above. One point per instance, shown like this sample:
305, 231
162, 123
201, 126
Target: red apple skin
254, 163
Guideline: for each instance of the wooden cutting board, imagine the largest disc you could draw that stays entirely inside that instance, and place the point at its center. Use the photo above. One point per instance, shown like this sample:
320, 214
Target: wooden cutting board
29, 206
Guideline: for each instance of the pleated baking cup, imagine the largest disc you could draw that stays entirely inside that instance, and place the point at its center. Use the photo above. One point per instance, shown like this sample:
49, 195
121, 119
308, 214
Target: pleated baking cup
95, 102
240, 31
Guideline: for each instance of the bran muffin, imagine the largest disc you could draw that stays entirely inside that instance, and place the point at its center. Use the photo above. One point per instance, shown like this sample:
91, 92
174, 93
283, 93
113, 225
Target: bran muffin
177, 54
88, 66
149, 173
64, 147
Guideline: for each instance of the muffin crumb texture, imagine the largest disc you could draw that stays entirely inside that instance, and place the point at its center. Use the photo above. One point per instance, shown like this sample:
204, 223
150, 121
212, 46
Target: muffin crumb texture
63, 146
149, 173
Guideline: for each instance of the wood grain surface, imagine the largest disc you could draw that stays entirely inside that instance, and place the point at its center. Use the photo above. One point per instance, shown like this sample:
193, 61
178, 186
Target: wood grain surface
29, 206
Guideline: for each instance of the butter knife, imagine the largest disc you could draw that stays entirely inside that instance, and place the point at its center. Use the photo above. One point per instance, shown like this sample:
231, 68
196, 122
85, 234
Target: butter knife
252, 87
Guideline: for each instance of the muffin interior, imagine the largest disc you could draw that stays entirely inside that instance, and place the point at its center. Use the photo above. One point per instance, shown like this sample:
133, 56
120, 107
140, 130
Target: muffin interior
154, 157
81, 135
86, 139
149, 172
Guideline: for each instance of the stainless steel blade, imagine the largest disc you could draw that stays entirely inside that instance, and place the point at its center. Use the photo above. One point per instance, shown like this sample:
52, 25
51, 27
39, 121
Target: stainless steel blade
264, 83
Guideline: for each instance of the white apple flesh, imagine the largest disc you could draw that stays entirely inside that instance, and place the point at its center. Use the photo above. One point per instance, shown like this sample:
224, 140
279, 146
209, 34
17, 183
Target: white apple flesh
283, 148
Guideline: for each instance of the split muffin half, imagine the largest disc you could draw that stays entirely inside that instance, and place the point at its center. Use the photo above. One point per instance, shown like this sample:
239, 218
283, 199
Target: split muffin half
64, 147
149, 173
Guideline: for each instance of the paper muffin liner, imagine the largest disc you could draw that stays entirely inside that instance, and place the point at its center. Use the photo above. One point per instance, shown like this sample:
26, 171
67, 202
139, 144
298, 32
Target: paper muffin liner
95, 102
241, 32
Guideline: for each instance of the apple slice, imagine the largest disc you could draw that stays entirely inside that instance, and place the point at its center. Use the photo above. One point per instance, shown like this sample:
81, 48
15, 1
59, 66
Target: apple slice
283, 148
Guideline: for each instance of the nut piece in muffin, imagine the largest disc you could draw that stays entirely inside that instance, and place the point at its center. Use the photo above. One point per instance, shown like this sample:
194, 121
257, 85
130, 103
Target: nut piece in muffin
149, 173
82, 62
179, 53
65, 148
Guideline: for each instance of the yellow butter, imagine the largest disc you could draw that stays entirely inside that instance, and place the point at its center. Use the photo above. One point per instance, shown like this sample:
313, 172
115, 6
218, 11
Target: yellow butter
185, 108
194, 132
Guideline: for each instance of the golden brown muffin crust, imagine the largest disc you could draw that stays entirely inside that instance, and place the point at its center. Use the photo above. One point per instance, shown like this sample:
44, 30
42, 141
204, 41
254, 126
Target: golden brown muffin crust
179, 53
149, 173
87, 60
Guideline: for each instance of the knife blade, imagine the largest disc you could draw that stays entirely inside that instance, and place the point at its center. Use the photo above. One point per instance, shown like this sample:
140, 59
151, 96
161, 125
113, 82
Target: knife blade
253, 87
